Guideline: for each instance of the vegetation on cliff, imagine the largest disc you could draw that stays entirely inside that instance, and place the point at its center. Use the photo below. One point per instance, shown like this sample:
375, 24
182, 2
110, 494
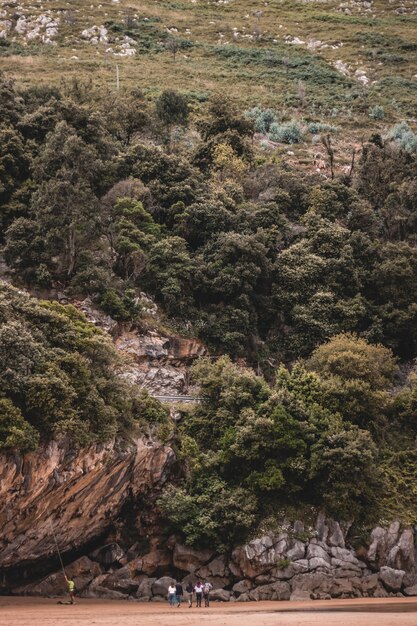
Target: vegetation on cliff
59, 374
108, 198
333, 431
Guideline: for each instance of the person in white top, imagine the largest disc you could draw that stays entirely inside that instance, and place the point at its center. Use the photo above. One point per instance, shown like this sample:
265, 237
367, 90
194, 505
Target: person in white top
198, 592
171, 595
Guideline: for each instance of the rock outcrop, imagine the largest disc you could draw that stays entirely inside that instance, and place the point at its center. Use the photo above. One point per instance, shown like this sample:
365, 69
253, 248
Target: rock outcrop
296, 563
75, 494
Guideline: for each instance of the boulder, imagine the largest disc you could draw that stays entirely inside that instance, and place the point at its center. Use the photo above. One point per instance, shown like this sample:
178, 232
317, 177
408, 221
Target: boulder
401, 556
411, 591
297, 551
382, 542
188, 559
315, 550
317, 562
160, 586
391, 578
242, 586
275, 591
82, 571
122, 585
297, 567
369, 583
218, 568
244, 597
300, 596
156, 562
342, 588
108, 555
220, 595
312, 581
145, 588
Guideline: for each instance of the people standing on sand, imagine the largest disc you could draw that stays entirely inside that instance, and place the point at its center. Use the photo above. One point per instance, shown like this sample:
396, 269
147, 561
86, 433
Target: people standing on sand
71, 589
207, 587
171, 595
198, 592
190, 590
178, 593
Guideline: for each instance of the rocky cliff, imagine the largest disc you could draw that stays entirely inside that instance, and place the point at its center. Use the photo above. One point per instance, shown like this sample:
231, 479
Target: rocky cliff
100, 503
78, 494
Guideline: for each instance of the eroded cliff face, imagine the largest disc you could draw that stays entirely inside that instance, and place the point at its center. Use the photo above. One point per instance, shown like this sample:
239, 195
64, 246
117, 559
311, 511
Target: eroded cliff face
77, 493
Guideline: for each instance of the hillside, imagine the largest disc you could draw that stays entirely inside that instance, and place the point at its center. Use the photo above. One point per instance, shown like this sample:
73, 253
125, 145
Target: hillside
323, 58
217, 199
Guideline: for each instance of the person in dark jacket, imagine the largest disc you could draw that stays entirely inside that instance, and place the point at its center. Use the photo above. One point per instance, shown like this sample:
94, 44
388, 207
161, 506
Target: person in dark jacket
178, 593
190, 590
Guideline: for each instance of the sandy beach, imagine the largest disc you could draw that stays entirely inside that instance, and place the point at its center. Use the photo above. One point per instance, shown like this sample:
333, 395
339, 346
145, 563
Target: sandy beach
370, 612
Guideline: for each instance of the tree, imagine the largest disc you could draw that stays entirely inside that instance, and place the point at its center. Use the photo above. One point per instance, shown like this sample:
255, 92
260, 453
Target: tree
65, 205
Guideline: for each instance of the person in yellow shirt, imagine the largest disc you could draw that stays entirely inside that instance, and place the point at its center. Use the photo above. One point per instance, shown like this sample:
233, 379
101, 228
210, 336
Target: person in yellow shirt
71, 589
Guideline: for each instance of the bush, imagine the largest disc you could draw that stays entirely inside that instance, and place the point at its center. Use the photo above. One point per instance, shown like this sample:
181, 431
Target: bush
377, 112
263, 119
403, 135
286, 133
319, 127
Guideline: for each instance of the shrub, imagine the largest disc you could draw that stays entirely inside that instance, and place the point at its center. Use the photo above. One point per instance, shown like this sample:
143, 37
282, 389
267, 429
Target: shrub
377, 112
289, 132
403, 135
319, 127
263, 119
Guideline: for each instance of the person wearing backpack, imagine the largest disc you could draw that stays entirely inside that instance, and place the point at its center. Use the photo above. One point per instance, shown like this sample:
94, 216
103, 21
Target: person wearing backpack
178, 594
198, 592
207, 587
190, 590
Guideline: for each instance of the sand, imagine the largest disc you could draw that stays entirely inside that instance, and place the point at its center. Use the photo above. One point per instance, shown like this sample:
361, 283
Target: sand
369, 612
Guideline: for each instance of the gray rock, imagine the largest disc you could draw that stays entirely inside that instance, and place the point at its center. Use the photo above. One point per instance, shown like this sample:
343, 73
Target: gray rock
298, 526
144, 599
218, 567
341, 588
220, 595
391, 578
244, 597
411, 591
314, 550
369, 583
317, 562
123, 585
312, 581
242, 586
300, 596
108, 555
275, 591
158, 599
145, 588
297, 551
160, 586
344, 555
188, 559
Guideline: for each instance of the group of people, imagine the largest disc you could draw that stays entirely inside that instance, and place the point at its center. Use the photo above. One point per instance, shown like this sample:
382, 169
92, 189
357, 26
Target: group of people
200, 589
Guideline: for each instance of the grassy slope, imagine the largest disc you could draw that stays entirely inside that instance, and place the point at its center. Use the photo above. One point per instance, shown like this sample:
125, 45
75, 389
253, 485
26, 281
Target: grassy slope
251, 70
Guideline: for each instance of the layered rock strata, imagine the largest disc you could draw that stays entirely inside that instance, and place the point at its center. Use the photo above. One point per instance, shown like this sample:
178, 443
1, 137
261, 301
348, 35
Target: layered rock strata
76, 495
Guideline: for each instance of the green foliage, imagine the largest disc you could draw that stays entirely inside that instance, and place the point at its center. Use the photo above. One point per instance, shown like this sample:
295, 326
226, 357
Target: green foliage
271, 446
315, 128
403, 136
377, 112
172, 108
289, 132
59, 374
